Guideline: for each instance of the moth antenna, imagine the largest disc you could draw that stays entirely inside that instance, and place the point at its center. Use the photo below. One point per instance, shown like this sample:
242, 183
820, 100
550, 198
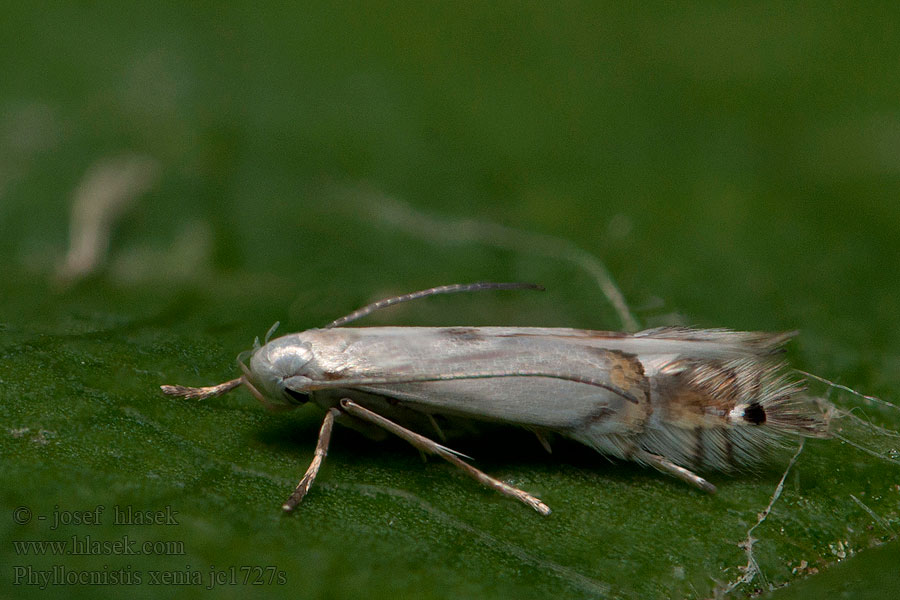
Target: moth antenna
271, 331
441, 289
201, 393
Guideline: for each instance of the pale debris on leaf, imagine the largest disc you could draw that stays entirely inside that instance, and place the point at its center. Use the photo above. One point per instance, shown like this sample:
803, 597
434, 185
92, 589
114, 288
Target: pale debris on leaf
109, 188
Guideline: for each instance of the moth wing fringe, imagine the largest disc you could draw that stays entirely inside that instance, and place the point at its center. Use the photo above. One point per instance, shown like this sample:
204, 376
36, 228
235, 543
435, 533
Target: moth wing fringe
758, 343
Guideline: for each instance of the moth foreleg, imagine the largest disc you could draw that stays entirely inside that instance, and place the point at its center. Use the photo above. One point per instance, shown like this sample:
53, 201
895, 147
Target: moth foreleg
426, 445
544, 441
667, 466
201, 393
313, 470
437, 427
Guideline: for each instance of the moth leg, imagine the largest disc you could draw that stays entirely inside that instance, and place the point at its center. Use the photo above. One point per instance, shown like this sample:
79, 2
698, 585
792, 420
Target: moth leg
426, 445
544, 441
437, 427
201, 393
313, 470
667, 466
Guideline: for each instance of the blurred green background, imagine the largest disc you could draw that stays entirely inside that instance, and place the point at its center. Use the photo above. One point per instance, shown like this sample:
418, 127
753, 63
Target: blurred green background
733, 166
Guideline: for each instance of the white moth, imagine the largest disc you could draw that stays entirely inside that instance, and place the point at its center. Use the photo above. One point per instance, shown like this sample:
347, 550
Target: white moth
677, 399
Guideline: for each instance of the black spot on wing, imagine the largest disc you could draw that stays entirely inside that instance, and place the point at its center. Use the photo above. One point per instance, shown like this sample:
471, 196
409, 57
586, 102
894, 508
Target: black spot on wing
755, 414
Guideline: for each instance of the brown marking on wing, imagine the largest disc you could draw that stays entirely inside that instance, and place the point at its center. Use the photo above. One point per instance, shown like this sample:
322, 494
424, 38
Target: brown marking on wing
725, 386
688, 407
463, 334
699, 394
605, 335
626, 372
755, 387
332, 375
699, 452
703, 393
729, 447
601, 414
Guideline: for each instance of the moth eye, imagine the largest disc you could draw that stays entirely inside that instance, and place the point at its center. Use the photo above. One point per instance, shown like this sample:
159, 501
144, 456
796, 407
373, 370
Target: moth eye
295, 396
755, 414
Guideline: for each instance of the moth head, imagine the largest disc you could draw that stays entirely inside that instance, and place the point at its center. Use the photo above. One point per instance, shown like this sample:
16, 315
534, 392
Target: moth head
278, 373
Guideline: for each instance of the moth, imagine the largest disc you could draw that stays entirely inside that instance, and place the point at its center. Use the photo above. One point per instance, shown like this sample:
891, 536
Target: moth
678, 399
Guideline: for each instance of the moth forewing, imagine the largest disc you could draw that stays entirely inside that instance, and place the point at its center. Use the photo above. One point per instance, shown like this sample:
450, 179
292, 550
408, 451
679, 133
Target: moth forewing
513, 376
